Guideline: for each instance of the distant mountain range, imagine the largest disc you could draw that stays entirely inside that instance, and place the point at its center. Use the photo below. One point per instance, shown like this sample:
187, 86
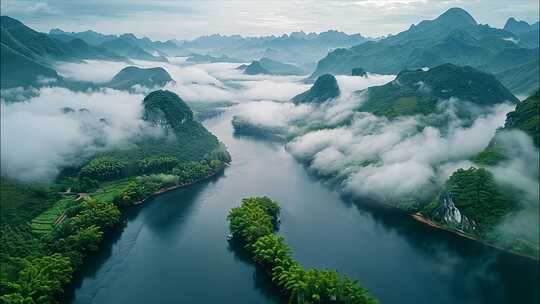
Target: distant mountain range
128, 44
511, 53
302, 49
27, 55
453, 37
526, 33
297, 47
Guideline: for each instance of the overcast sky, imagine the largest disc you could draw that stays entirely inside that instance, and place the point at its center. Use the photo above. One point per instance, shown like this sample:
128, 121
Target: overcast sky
167, 19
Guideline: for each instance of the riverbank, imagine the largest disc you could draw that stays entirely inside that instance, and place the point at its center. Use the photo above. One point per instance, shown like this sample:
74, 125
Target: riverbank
164, 190
417, 216
422, 219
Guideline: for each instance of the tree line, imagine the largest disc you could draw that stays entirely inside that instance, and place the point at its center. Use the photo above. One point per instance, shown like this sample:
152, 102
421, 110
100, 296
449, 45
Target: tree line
253, 225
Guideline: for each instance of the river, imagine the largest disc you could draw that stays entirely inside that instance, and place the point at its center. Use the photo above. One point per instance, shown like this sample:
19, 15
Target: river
173, 249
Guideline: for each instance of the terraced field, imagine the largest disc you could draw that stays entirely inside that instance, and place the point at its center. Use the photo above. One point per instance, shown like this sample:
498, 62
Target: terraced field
45, 222
108, 190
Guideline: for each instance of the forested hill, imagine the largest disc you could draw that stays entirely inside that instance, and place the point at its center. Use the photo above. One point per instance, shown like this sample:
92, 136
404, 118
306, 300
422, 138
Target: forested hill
48, 231
166, 109
526, 117
474, 201
323, 89
418, 91
132, 76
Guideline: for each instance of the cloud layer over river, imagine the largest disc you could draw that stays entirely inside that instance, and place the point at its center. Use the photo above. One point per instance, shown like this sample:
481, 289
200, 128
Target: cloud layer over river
389, 160
40, 133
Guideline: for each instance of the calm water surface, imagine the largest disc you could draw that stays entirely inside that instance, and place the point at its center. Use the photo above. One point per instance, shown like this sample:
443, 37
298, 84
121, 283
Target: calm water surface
173, 249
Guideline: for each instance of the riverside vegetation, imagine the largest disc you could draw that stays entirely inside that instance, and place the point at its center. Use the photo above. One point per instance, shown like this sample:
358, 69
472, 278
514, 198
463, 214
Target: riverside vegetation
253, 225
47, 231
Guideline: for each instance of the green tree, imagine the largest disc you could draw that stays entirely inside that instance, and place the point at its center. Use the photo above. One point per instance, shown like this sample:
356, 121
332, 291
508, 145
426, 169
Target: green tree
95, 213
42, 279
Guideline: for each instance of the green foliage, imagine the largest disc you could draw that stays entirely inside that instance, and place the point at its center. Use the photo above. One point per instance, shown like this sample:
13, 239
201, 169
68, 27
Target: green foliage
526, 117
20, 203
220, 153
137, 190
491, 155
166, 109
157, 164
44, 222
477, 195
271, 251
103, 168
110, 189
40, 280
253, 224
194, 171
253, 219
185, 138
144, 186
83, 230
188, 149
418, 91
96, 213
83, 184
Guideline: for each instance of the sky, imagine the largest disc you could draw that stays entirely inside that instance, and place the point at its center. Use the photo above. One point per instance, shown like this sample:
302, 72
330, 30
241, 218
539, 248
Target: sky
166, 19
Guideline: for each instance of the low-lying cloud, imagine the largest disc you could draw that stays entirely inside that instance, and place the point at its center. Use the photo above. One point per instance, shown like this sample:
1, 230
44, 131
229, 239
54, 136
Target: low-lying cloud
394, 160
97, 71
60, 127
46, 129
390, 160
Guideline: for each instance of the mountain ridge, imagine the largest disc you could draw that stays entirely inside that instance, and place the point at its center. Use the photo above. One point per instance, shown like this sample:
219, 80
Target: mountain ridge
444, 39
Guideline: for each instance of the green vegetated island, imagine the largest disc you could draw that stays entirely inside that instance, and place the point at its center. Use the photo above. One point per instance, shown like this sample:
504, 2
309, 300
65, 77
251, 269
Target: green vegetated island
471, 203
253, 225
48, 231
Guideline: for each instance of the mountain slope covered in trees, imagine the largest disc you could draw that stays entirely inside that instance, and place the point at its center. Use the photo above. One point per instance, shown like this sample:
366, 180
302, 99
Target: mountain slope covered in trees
419, 91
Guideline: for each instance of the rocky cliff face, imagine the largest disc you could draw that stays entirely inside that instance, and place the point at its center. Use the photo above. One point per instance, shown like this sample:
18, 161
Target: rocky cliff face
447, 213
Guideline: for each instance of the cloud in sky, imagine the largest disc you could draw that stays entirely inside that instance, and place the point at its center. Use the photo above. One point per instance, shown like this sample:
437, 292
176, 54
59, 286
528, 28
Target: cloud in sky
188, 19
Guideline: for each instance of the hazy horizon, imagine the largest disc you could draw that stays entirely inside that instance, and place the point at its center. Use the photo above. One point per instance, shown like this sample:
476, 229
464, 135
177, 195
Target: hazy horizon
163, 20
